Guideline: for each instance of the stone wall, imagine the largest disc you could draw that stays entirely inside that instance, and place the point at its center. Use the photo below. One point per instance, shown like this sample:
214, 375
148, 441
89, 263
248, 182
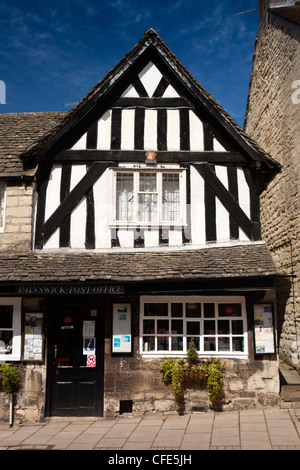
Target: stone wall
30, 400
247, 385
17, 233
272, 118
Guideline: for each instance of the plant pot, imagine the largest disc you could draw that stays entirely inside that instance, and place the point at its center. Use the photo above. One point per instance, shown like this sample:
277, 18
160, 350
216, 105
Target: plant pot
194, 376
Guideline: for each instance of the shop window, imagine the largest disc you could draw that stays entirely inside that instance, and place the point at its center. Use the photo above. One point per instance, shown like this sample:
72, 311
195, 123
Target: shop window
149, 197
2, 205
218, 326
10, 329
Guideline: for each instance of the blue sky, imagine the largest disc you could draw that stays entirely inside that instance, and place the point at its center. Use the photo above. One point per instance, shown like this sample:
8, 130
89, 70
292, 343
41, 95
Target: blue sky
53, 52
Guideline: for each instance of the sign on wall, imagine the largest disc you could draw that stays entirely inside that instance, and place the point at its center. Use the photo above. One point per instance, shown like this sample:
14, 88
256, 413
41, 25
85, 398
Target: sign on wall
121, 329
264, 331
33, 336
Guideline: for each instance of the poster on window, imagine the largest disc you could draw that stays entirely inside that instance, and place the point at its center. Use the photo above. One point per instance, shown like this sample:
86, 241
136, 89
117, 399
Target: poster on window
264, 334
33, 336
121, 337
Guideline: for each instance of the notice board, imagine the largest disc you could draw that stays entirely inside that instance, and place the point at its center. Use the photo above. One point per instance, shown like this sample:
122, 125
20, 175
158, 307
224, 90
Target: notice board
33, 336
264, 331
121, 329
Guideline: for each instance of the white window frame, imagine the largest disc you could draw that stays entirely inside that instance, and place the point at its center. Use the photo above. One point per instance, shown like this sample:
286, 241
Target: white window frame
3, 191
194, 299
15, 302
159, 172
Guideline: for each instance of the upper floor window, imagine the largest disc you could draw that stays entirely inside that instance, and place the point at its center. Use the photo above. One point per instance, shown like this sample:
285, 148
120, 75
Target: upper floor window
149, 197
2, 205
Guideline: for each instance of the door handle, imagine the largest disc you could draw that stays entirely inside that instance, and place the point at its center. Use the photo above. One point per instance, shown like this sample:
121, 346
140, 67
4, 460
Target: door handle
55, 351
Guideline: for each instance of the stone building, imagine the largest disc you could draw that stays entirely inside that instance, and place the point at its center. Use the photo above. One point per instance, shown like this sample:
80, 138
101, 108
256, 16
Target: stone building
129, 225
272, 118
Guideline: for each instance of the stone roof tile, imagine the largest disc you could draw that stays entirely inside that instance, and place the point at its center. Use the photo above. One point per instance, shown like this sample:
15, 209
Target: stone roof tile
211, 263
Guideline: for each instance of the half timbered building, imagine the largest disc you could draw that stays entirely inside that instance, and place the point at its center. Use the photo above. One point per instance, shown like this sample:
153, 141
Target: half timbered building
129, 225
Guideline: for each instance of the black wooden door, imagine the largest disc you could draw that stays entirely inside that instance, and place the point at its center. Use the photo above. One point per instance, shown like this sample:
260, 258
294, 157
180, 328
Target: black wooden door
76, 361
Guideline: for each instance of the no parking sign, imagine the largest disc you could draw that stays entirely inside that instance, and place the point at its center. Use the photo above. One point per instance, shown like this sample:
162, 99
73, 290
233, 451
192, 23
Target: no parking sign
91, 360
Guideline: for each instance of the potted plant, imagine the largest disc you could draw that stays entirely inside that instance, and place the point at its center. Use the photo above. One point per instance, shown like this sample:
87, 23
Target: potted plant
178, 372
10, 383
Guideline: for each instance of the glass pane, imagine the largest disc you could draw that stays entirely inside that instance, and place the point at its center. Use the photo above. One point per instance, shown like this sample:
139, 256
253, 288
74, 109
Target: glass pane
238, 344
147, 211
230, 310
237, 327
124, 209
162, 327
156, 310
209, 310
6, 342
177, 327
193, 310
149, 326
170, 196
6, 315
148, 182
223, 327
196, 342
193, 328
177, 343
223, 343
162, 343
209, 327
176, 310
148, 343
209, 344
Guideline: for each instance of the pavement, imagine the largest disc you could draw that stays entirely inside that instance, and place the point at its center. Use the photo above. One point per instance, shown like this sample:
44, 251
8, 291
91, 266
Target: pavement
263, 429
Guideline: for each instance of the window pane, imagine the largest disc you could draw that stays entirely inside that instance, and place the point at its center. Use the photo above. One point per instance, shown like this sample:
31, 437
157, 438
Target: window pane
5, 342
148, 343
209, 310
149, 326
148, 182
209, 327
237, 327
177, 343
147, 208
163, 343
170, 196
223, 343
176, 310
223, 327
177, 327
124, 209
156, 310
6, 315
193, 310
193, 328
162, 327
227, 310
238, 344
209, 344
196, 342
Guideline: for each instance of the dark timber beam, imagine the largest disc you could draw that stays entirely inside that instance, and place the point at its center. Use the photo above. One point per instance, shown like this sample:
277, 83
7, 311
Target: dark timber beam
182, 156
228, 201
73, 198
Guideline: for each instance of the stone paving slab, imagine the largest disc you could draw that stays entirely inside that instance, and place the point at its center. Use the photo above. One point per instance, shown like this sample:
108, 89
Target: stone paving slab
267, 429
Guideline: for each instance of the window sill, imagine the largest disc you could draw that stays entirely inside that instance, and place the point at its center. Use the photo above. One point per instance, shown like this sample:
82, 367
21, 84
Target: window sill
147, 225
177, 355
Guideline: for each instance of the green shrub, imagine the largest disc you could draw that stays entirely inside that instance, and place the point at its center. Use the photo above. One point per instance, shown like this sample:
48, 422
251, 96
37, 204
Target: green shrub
10, 378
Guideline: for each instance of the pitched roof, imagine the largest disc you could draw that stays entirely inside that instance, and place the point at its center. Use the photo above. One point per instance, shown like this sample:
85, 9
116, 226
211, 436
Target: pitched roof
245, 261
47, 131
17, 132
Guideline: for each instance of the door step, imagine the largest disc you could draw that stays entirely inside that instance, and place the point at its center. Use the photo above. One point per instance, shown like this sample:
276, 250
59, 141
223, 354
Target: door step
290, 393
